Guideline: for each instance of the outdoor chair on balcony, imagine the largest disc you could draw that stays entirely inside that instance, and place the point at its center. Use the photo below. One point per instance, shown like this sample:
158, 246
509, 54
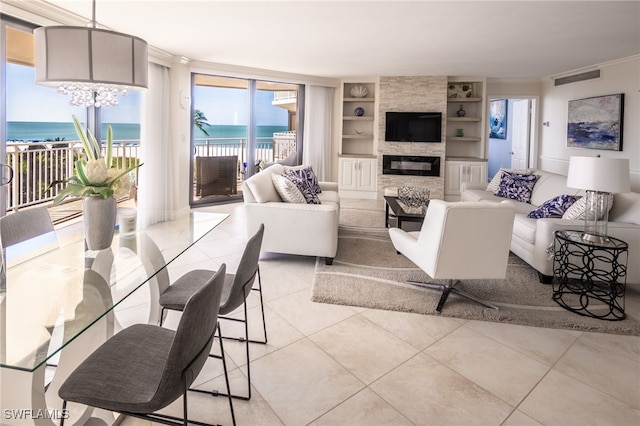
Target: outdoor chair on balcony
216, 175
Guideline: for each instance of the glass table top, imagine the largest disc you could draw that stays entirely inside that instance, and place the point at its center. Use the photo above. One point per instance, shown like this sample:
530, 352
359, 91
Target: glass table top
52, 281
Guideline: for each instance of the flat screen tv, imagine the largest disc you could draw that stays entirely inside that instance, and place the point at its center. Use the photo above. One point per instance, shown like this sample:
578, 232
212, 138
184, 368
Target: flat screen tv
413, 127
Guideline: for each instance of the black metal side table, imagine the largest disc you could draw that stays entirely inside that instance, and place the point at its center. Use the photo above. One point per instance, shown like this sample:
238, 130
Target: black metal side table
590, 278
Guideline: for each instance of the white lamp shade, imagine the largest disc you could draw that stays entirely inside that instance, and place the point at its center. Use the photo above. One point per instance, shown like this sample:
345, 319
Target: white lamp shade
90, 55
599, 174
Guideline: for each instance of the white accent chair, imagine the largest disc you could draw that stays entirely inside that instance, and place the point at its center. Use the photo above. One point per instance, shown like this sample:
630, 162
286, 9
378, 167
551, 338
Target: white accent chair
302, 229
459, 240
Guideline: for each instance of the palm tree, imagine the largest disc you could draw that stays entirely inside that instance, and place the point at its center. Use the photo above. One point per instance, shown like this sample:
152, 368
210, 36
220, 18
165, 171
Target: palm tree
199, 120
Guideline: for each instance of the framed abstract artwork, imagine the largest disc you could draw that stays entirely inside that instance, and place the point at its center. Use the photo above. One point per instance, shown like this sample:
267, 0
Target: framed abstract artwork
596, 123
498, 119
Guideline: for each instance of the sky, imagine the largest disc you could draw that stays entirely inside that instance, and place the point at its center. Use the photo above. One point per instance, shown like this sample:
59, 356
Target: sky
230, 106
27, 101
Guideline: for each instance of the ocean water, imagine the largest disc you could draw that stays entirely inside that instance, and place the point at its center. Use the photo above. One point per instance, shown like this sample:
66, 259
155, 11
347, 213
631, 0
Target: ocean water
35, 131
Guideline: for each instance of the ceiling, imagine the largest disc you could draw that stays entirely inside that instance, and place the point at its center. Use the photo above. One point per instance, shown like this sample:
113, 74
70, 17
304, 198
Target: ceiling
515, 39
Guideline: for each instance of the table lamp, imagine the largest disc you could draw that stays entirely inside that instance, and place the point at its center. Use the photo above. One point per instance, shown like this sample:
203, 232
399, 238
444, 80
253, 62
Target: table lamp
599, 177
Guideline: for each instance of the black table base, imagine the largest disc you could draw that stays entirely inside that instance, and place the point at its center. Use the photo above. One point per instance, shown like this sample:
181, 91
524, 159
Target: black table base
589, 279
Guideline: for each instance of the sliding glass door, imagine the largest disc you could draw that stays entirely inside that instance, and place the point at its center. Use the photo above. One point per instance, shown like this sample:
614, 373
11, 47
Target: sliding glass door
239, 127
37, 139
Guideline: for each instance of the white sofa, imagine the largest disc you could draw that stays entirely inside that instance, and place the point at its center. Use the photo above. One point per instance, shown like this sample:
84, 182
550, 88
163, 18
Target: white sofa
304, 229
532, 239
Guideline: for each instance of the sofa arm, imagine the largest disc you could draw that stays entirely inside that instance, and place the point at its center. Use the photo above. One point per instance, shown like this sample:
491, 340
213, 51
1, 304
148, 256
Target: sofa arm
305, 229
546, 228
472, 185
329, 186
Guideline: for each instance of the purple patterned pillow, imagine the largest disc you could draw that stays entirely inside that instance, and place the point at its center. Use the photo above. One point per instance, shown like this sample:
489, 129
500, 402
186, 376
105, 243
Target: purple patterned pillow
554, 207
516, 186
308, 175
307, 183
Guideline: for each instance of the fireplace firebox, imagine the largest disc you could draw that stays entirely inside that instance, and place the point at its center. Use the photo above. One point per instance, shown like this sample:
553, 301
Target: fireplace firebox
412, 165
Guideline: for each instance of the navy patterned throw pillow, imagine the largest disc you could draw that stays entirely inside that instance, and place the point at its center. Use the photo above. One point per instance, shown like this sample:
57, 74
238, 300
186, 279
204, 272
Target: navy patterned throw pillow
306, 182
516, 186
554, 207
305, 187
307, 175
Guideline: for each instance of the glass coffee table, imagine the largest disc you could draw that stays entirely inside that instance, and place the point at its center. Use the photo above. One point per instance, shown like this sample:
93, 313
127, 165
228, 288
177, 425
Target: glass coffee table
393, 209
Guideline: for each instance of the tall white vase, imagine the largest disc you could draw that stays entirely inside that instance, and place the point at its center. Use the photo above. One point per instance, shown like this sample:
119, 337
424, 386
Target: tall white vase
99, 222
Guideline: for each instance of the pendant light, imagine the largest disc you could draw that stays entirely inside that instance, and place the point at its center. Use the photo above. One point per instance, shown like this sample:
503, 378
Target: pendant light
92, 65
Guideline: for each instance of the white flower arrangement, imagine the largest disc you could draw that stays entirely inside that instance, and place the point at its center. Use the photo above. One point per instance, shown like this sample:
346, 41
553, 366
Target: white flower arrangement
95, 175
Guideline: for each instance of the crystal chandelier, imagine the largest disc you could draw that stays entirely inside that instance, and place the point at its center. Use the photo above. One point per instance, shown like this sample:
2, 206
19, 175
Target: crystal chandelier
92, 65
92, 94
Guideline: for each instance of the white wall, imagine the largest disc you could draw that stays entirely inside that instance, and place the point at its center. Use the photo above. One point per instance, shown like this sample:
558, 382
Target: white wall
617, 77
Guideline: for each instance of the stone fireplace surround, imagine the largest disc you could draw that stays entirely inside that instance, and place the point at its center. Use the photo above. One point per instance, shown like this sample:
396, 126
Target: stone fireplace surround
411, 94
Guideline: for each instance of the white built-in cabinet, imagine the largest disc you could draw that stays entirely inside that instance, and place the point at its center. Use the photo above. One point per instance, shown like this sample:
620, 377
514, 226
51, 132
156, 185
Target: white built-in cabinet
357, 177
359, 139
457, 172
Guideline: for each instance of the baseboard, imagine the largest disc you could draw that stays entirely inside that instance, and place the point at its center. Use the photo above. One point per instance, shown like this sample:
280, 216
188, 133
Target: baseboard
363, 195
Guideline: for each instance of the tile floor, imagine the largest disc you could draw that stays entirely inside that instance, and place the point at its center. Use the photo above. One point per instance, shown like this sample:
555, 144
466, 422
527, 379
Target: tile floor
339, 365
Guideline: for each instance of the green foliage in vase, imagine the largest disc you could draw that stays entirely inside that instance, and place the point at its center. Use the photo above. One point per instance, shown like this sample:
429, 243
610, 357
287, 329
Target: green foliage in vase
96, 175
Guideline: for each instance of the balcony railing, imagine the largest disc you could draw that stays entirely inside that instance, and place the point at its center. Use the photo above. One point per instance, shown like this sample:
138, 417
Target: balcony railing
36, 165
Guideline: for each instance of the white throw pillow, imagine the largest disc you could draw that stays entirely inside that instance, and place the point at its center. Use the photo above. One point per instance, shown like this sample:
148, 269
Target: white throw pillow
577, 209
287, 190
262, 188
495, 182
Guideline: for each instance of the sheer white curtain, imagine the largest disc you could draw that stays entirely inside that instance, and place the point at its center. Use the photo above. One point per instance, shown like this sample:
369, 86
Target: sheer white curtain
318, 108
155, 193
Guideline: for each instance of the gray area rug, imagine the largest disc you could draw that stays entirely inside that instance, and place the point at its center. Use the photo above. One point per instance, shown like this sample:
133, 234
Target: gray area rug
361, 218
368, 273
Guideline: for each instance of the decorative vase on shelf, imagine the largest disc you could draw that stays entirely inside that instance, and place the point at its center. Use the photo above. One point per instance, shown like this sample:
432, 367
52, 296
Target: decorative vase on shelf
99, 216
359, 112
461, 112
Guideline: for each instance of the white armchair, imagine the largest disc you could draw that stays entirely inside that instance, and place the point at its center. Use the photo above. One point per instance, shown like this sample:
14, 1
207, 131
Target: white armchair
462, 240
302, 229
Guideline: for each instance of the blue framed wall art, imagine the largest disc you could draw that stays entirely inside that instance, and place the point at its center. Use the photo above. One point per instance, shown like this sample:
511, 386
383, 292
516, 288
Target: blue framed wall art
596, 122
498, 119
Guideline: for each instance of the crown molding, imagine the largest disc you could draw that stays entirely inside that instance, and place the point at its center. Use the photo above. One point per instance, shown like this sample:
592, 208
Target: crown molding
249, 72
594, 67
42, 13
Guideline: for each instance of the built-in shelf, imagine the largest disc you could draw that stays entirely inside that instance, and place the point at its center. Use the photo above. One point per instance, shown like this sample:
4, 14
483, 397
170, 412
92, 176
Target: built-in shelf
464, 119
356, 136
359, 99
464, 138
472, 124
356, 118
358, 131
454, 100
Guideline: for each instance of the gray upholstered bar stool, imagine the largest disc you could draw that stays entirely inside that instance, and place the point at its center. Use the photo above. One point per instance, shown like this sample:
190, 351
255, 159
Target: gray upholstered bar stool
236, 290
145, 368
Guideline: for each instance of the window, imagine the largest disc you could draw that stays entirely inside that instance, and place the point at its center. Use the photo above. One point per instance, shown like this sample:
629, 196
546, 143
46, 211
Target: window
239, 126
37, 132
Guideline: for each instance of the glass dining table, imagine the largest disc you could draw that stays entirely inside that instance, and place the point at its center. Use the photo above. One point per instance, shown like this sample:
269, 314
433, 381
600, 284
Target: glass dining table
59, 302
